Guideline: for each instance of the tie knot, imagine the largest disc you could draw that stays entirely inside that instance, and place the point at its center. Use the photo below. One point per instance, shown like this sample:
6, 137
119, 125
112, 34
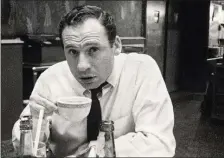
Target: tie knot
98, 90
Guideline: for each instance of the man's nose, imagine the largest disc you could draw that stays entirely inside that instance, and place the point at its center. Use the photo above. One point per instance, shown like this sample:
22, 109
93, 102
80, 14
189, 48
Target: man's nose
83, 63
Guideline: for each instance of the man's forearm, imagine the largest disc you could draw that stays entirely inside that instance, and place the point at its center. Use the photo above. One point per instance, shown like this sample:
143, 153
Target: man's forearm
144, 145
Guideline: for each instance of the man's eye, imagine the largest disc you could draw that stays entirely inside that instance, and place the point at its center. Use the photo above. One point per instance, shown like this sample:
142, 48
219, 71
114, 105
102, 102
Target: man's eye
73, 52
93, 49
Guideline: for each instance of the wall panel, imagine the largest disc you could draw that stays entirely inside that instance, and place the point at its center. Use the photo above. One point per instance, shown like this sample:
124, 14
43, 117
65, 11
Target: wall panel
11, 87
155, 31
42, 17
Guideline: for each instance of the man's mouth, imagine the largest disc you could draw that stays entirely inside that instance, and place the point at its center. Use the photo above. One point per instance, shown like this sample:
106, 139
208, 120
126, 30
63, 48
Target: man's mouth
87, 79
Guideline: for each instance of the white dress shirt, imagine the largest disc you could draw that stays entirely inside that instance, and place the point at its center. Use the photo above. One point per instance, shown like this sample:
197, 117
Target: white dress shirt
136, 99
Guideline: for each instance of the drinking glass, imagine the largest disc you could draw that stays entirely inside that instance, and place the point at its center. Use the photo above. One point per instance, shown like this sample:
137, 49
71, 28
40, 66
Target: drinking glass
41, 149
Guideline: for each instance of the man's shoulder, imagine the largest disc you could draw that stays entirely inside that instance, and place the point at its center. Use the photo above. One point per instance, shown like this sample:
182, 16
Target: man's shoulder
56, 69
138, 67
141, 63
59, 65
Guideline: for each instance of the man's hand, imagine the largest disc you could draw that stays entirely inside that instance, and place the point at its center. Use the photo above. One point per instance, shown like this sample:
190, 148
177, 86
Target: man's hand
85, 149
81, 152
37, 103
91, 149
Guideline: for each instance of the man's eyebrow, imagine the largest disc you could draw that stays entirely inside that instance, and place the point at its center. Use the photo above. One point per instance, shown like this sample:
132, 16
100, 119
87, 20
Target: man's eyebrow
83, 44
70, 46
91, 43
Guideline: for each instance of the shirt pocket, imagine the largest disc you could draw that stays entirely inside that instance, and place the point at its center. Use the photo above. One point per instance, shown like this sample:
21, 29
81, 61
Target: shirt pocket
123, 125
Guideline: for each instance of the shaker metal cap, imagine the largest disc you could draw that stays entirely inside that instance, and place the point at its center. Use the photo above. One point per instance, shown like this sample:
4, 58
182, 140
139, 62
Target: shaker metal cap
25, 118
107, 126
26, 122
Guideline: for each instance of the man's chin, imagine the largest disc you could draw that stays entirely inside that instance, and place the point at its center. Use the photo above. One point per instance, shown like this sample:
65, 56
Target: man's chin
90, 85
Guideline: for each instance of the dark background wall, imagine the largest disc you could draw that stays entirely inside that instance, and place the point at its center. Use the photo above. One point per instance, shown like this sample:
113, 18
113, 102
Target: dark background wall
194, 26
11, 87
43, 17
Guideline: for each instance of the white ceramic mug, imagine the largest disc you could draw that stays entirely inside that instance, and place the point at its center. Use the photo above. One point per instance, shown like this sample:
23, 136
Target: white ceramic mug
74, 108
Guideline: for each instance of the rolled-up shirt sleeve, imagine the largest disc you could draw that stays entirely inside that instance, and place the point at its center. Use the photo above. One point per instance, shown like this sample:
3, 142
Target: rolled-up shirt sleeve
153, 117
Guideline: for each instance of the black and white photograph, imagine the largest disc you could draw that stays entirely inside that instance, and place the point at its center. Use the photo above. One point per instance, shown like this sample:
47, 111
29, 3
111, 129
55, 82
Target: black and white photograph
120, 78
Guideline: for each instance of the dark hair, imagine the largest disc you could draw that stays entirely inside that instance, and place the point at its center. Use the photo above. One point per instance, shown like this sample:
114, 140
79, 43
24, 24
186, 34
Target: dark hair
80, 13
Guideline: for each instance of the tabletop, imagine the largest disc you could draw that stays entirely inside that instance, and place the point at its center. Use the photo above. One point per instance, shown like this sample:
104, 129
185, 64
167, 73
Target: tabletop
7, 150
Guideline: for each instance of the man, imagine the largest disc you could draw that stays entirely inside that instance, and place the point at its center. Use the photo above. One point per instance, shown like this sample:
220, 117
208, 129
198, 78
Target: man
134, 96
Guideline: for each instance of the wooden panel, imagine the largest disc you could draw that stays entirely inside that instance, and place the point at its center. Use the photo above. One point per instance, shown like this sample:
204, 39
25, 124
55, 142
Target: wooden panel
34, 17
37, 53
11, 84
218, 106
155, 31
42, 17
172, 60
172, 65
128, 15
133, 44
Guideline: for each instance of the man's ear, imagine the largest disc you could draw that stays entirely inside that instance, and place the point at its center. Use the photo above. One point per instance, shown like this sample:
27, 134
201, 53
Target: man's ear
117, 45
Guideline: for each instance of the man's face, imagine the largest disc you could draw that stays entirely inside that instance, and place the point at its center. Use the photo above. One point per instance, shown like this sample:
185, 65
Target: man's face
88, 53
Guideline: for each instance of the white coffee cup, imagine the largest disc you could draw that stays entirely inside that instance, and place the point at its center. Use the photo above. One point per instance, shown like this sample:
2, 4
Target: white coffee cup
74, 108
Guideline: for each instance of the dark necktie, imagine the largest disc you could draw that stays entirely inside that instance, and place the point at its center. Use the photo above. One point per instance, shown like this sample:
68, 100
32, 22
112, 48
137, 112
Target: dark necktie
94, 118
